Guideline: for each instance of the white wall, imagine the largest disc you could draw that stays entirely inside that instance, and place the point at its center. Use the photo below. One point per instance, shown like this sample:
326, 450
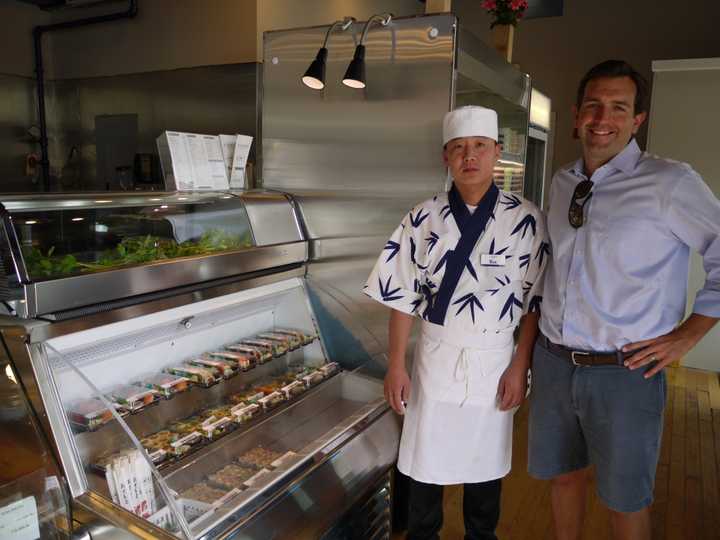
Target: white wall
683, 125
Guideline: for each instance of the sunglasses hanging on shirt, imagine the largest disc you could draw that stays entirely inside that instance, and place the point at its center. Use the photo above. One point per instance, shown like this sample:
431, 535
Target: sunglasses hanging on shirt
580, 197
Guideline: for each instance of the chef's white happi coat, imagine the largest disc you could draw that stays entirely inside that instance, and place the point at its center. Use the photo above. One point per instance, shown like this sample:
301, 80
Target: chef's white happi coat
470, 277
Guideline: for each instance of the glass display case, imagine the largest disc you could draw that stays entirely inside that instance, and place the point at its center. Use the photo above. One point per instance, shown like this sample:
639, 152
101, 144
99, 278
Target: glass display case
484, 78
65, 252
96, 235
201, 414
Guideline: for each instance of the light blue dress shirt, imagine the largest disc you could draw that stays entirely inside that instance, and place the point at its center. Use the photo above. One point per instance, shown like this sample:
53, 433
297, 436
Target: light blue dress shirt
622, 276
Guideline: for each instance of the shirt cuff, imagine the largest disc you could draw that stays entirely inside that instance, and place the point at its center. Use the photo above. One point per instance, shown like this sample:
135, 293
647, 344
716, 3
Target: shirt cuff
707, 302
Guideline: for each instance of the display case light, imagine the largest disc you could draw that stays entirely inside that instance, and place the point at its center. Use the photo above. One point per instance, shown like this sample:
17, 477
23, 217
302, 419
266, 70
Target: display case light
314, 77
355, 74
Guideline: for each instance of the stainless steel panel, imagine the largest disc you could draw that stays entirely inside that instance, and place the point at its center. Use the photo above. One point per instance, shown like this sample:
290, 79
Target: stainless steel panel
272, 218
43, 331
63, 294
385, 138
17, 114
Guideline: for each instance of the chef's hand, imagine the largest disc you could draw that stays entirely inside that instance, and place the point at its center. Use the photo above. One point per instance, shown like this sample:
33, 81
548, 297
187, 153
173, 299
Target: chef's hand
512, 385
397, 388
666, 349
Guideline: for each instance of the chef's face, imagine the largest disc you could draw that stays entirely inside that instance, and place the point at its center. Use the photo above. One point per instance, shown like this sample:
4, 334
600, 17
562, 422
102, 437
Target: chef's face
606, 118
471, 160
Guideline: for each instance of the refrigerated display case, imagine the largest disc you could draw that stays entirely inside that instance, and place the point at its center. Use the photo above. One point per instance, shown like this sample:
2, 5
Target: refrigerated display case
171, 349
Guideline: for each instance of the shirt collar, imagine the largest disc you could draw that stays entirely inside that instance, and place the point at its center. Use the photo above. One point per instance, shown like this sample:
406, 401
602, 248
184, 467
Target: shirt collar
625, 161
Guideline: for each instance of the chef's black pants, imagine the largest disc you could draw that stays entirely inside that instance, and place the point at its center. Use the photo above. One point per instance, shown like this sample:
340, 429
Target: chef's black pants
481, 510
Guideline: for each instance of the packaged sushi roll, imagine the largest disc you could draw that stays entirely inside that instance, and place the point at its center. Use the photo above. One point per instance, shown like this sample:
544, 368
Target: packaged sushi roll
271, 400
261, 354
159, 446
293, 389
240, 361
311, 377
195, 374
223, 368
232, 476
242, 412
304, 337
89, 414
290, 341
272, 347
213, 427
165, 384
132, 398
281, 341
329, 369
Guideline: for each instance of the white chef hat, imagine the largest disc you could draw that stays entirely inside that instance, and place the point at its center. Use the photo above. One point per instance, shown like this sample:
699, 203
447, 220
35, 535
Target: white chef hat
470, 121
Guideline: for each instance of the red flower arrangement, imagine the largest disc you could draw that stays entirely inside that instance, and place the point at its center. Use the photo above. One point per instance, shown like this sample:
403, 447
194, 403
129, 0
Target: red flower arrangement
505, 11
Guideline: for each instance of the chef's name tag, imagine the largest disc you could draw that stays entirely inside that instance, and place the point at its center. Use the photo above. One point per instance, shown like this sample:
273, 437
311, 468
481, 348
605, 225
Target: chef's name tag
487, 259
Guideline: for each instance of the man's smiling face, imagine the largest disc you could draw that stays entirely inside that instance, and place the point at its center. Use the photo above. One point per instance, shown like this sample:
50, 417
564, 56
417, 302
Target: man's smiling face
606, 119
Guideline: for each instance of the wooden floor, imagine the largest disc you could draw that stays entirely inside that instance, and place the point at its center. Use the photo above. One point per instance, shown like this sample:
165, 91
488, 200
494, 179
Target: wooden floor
686, 491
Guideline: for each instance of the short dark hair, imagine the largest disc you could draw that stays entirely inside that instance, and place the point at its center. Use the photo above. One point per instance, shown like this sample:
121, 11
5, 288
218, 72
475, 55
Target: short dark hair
617, 68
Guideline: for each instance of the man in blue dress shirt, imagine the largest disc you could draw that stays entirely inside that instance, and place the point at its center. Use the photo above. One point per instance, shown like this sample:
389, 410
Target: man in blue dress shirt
621, 224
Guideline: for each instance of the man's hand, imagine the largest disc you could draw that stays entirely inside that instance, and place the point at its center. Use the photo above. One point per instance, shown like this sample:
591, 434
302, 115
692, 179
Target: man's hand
397, 388
666, 349
513, 385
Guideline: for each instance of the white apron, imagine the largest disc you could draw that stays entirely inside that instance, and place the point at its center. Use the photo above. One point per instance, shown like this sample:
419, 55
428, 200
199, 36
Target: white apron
454, 431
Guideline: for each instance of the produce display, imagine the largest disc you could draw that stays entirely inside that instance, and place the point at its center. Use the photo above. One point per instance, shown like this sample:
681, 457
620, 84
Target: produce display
132, 250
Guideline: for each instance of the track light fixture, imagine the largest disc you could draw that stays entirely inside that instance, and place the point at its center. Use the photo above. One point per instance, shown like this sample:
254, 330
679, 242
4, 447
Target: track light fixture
355, 74
314, 77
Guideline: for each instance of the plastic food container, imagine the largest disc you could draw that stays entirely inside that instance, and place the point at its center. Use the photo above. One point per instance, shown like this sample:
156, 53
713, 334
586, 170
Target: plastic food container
311, 378
132, 398
271, 400
293, 389
242, 413
204, 493
258, 457
288, 341
329, 369
247, 397
165, 384
261, 354
223, 368
272, 347
89, 414
195, 374
240, 361
305, 338
232, 476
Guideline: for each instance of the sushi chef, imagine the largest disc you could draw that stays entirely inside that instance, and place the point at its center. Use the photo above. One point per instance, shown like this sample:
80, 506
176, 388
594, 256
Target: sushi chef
468, 263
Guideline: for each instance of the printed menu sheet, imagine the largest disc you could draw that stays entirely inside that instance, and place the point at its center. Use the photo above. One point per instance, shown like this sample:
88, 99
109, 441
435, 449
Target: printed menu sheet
192, 162
236, 149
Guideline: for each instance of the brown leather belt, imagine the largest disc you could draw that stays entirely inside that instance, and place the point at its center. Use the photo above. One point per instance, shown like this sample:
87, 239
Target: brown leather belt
584, 358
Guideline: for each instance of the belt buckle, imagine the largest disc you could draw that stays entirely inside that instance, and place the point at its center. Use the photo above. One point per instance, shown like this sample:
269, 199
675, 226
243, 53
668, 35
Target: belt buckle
572, 356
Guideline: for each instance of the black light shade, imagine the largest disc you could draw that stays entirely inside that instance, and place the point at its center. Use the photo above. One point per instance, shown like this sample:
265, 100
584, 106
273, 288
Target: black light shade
315, 75
355, 74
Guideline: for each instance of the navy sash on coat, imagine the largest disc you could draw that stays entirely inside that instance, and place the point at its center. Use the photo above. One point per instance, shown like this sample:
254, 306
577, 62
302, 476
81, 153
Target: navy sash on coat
471, 227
